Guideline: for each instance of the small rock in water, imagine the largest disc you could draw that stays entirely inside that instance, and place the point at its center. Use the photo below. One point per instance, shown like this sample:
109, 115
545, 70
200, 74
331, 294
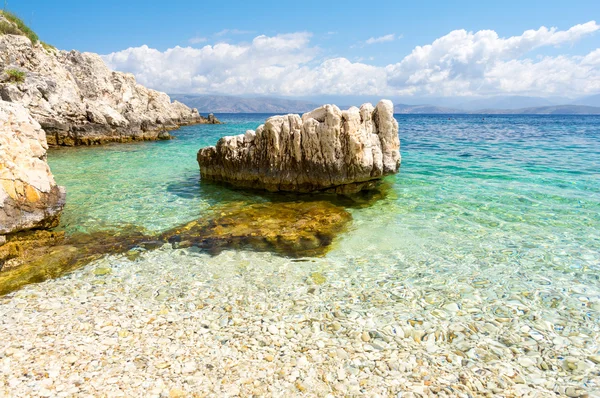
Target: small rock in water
452, 307
102, 271
365, 337
317, 278
526, 362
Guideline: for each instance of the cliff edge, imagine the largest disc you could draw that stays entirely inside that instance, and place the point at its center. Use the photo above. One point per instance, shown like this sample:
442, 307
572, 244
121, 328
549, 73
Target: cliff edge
78, 100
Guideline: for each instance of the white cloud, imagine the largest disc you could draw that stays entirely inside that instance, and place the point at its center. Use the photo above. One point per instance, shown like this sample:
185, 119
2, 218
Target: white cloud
197, 39
381, 39
226, 32
481, 62
459, 63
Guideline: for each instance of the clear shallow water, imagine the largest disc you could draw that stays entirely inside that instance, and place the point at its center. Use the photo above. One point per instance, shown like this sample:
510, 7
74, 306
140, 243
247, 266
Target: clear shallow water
524, 185
490, 221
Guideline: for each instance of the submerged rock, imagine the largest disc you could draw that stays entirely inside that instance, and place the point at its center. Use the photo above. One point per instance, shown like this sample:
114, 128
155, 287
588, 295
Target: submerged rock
78, 100
326, 149
29, 196
34, 256
294, 229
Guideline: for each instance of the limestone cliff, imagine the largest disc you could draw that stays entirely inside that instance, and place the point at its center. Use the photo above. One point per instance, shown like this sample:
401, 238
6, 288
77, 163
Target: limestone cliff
78, 100
326, 149
29, 196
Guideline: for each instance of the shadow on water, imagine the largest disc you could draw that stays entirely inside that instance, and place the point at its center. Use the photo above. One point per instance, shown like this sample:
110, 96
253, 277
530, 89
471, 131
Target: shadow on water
217, 193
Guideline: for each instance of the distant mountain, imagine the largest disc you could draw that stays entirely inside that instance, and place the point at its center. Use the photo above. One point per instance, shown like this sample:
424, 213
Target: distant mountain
545, 110
424, 109
231, 104
506, 102
592, 100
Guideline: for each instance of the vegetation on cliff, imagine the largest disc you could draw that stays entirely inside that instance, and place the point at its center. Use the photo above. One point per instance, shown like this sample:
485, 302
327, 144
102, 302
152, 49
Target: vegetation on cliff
11, 24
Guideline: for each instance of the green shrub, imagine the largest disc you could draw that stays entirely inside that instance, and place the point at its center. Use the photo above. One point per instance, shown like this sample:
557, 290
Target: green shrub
22, 28
47, 46
6, 28
15, 75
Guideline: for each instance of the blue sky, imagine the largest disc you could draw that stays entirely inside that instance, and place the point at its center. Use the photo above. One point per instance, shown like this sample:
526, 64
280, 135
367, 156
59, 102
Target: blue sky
371, 36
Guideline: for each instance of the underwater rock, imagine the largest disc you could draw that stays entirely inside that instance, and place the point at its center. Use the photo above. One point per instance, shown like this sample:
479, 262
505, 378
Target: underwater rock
326, 149
29, 196
295, 229
78, 100
34, 256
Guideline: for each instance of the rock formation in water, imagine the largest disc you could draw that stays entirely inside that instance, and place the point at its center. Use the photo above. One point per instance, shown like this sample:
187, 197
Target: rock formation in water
294, 229
78, 100
29, 196
326, 149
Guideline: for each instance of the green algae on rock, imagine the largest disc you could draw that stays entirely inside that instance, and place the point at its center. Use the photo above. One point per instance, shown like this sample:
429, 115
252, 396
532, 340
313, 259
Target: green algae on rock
35, 256
294, 229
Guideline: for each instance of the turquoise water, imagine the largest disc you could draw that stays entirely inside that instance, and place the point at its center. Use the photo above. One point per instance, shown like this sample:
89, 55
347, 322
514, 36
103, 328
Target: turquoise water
482, 259
525, 184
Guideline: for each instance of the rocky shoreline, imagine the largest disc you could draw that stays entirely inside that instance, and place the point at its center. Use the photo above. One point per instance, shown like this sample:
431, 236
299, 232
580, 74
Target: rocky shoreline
78, 100
29, 196
50, 97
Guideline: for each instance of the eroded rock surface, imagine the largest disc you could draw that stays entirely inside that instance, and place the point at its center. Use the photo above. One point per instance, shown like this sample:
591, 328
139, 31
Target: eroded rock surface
29, 196
78, 100
295, 229
326, 149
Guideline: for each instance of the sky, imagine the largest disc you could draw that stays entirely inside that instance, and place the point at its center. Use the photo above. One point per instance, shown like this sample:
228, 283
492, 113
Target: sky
307, 49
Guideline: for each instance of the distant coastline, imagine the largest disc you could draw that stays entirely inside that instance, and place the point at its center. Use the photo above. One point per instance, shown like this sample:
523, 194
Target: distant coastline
233, 104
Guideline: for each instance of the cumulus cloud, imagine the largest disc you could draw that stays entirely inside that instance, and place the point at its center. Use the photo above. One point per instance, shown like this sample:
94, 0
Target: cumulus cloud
381, 39
459, 63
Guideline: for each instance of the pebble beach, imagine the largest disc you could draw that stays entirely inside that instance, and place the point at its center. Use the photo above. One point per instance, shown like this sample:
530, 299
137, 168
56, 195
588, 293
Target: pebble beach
250, 324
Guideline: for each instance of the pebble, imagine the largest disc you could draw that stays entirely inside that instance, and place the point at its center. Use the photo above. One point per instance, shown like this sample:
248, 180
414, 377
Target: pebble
365, 337
526, 362
163, 328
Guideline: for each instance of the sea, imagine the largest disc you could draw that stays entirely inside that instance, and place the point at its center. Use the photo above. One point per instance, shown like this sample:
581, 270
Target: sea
493, 221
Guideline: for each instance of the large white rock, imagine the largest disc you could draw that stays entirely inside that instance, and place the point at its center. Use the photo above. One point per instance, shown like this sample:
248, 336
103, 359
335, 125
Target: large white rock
78, 100
29, 196
325, 149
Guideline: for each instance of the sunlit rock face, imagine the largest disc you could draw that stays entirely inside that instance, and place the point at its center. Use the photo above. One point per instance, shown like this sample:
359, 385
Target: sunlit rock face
78, 100
294, 229
29, 196
325, 149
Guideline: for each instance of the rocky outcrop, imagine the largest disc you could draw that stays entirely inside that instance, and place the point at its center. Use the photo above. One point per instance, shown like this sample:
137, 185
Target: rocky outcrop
78, 100
326, 149
29, 196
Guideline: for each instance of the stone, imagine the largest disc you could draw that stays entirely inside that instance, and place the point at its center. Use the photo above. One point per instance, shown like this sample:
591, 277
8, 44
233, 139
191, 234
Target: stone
29, 196
78, 100
526, 362
325, 149
318, 278
294, 229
